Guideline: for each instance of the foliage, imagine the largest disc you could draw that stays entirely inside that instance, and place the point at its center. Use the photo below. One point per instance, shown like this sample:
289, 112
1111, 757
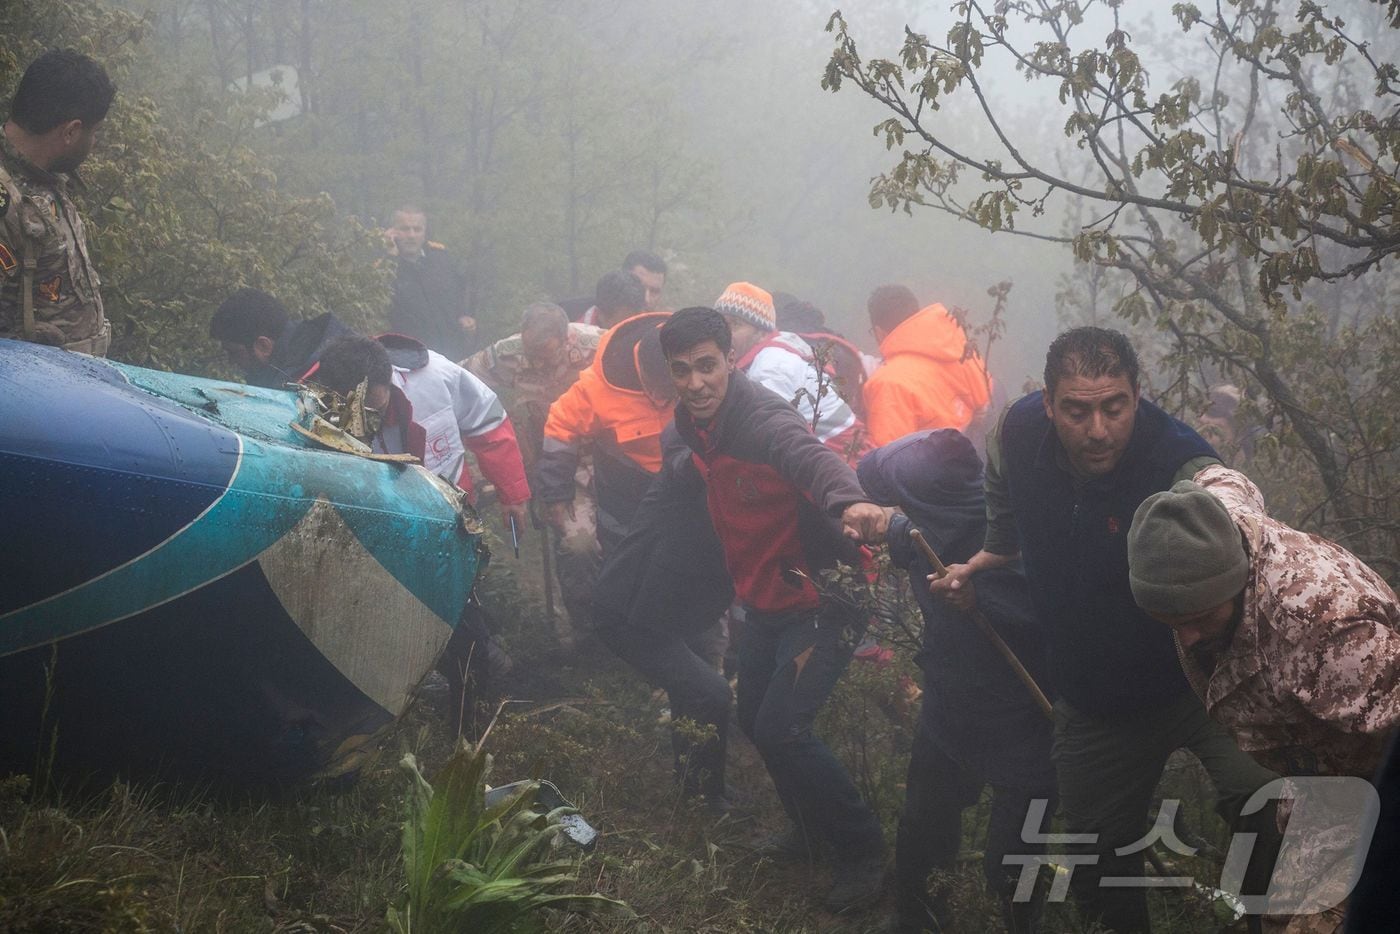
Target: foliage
479, 867
182, 211
1250, 204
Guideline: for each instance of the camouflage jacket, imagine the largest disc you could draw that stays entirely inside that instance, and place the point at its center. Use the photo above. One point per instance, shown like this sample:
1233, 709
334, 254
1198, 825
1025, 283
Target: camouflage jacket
1310, 680
39, 224
530, 389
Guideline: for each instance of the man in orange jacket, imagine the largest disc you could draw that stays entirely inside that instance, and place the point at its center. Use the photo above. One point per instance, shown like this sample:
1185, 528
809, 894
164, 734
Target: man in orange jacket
928, 379
619, 406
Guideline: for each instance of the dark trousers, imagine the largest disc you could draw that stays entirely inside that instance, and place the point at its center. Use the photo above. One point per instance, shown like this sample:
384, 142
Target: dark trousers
1107, 772
788, 665
937, 790
684, 667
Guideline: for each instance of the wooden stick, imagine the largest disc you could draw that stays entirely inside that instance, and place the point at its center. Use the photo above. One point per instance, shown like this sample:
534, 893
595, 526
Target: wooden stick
985, 625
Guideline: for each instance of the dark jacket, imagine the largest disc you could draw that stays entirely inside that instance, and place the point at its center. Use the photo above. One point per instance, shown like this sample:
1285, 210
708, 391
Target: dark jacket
1109, 658
775, 495
668, 572
430, 294
298, 351
975, 707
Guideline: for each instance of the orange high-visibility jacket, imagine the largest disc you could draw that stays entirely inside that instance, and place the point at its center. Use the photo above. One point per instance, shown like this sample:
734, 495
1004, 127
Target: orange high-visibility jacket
924, 382
609, 408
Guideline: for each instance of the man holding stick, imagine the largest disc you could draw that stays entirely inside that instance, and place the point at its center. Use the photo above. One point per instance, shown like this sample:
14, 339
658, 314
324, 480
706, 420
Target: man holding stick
1066, 468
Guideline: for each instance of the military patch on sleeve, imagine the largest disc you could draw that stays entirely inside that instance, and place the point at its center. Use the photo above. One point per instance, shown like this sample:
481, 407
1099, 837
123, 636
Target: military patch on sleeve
7, 259
52, 288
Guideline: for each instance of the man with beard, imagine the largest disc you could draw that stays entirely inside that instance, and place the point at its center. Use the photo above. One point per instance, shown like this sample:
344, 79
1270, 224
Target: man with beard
1066, 469
430, 300
1292, 642
49, 288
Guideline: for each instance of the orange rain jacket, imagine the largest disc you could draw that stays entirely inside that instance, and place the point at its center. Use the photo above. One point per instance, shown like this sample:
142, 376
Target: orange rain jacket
924, 382
610, 409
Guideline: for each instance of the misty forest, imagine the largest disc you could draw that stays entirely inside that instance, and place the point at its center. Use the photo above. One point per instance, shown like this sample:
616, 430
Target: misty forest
1219, 181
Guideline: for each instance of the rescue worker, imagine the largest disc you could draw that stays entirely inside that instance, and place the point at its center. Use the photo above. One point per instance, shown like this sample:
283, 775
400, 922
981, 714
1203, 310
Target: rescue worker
618, 408
656, 601
786, 364
50, 292
1290, 640
435, 410
619, 296
650, 271
263, 340
1066, 469
1293, 644
978, 724
531, 370
928, 379
431, 298
779, 500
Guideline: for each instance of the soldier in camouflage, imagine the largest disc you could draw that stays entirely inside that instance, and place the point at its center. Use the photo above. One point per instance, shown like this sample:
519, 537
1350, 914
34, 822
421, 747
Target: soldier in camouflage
1292, 642
49, 288
530, 370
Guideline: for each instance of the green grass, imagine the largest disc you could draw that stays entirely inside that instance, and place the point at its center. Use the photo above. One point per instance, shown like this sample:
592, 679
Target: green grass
171, 858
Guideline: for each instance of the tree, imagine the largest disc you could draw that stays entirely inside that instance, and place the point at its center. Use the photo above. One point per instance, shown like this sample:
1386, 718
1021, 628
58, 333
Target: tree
1251, 204
181, 210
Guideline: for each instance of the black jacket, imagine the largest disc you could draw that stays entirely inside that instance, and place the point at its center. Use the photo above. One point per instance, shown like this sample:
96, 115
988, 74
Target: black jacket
298, 351
668, 572
430, 294
975, 707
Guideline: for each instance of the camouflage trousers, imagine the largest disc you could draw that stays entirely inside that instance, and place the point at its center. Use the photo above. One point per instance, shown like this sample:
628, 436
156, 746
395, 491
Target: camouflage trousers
577, 555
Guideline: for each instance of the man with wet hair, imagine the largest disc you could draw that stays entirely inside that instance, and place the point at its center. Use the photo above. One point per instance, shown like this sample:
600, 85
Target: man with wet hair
650, 270
430, 300
1066, 469
786, 508
930, 377
49, 287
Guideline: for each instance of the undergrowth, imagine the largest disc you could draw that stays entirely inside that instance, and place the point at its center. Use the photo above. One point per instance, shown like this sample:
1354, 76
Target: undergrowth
143, 857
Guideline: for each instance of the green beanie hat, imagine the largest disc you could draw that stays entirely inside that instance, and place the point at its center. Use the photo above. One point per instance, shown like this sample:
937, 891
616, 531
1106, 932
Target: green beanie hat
1184, 552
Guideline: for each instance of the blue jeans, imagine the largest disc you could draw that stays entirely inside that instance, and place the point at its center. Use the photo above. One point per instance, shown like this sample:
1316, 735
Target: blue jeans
788, 665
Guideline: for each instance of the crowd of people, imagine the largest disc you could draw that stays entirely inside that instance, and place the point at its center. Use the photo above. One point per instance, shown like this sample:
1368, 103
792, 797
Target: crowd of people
1098, 589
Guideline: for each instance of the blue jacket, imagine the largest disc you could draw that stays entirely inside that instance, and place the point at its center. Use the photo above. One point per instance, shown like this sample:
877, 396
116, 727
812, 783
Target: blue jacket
1109, 658
975, 707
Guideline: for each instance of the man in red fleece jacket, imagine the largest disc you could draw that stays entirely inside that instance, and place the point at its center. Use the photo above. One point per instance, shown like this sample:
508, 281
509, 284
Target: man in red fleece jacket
786, 508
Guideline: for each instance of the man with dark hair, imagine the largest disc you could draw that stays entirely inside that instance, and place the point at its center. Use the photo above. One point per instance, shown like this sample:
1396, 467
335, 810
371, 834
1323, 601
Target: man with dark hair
1066, 469
650, 270
930, 377
780, 501
423, 401
619, 296
49, 287
430, 301
433, 409
262, 340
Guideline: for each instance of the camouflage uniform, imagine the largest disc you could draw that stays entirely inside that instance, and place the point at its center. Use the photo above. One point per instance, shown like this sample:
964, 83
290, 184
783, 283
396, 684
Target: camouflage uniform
49, 288
528, 391
1310, 682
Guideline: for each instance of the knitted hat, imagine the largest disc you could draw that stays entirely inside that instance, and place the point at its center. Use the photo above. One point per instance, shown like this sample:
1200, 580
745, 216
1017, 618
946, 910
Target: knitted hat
1184, 552
748, 301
